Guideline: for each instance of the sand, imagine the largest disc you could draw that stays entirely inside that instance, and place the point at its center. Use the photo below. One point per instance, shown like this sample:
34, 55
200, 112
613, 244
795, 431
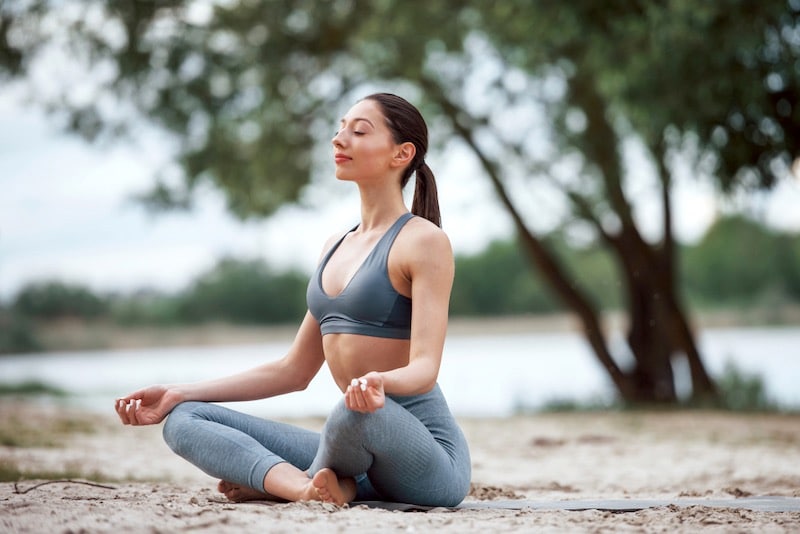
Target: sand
125, 479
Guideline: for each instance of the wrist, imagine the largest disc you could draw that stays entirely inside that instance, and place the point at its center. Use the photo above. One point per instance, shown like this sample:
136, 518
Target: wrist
179, 393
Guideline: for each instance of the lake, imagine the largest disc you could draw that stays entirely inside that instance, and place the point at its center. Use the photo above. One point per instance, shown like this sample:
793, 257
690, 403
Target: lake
482, 375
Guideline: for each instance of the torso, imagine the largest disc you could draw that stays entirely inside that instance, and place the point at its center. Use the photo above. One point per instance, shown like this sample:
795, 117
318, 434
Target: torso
353, 355
349, 355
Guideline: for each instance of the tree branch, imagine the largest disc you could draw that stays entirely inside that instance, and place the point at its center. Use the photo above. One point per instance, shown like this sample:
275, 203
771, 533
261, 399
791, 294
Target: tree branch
548, 266
64, 481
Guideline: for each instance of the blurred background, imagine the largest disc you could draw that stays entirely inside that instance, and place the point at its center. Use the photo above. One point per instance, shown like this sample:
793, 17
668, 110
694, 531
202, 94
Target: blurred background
620, 181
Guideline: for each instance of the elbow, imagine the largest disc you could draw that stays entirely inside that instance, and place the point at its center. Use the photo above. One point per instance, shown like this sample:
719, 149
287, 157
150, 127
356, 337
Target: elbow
300, 381
427, 386
424, 384
424, 377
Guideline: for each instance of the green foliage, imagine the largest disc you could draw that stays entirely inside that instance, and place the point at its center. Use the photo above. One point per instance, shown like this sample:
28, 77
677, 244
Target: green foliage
146, 308
739, 261
245, 292
248, 89
787, 263
30, 388
54, 299
545, 94
500, 281
740, 391
11, 472
235, 291
15, 431
594, 270
17, 334
497, 282
722, 73
566, 405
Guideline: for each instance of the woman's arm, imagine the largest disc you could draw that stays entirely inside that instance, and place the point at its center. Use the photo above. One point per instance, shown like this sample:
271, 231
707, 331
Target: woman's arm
293, 372
427, 263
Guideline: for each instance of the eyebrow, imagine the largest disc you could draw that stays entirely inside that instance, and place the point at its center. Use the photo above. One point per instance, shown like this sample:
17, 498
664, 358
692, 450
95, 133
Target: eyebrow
341, 121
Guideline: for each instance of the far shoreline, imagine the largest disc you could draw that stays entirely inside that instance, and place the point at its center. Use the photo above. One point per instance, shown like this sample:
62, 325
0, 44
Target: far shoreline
78, 335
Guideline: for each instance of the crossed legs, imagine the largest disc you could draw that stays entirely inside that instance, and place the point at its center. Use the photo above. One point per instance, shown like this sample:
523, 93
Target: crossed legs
390, 451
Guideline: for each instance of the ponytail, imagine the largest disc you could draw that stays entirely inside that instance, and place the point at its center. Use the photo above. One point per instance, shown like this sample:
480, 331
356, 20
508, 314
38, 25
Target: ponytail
407, 125
426, 197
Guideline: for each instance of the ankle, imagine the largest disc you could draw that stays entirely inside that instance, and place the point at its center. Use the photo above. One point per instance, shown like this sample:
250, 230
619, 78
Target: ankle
349, 489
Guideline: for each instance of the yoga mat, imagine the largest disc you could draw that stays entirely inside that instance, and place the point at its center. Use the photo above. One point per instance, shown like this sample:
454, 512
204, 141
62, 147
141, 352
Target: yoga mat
760, 504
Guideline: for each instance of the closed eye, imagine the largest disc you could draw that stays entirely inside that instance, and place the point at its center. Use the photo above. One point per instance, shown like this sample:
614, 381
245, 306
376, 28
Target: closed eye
337, 132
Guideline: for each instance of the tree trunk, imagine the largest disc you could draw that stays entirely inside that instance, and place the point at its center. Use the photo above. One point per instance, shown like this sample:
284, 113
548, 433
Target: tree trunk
657, 325
657, 329
652, 374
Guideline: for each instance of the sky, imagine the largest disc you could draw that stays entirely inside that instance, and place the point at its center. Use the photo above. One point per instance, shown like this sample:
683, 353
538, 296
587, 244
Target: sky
66, 213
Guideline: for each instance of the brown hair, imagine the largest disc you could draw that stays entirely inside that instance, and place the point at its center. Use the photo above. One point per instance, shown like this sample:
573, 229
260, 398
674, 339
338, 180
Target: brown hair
407, 126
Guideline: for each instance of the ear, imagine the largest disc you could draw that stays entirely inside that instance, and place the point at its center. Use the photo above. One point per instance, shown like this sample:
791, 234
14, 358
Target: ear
404, 154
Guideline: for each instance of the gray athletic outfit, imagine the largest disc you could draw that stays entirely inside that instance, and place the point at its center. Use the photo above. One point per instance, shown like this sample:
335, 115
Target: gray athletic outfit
410, 451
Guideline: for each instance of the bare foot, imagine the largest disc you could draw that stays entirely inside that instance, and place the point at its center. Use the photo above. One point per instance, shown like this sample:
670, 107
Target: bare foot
240, 493
330, 489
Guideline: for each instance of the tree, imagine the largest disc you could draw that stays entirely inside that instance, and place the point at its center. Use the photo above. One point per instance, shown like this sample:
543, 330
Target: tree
720, 268
245, 292
476, 291
643, 69
547, 95
58, 300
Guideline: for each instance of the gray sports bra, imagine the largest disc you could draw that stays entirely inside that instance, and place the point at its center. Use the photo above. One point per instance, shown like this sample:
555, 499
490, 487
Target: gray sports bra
368, 304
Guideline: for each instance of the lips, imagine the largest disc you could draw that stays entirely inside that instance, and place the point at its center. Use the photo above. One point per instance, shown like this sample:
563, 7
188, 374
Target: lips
340, 158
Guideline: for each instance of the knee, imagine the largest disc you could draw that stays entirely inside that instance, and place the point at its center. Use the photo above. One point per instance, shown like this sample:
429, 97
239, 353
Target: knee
342, 419
356, 425
176, 426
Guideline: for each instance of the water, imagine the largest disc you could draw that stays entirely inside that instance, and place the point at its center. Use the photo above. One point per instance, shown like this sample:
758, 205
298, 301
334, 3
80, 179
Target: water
482, 375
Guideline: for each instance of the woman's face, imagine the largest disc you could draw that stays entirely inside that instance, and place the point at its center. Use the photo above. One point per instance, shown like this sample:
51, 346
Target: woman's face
363, 148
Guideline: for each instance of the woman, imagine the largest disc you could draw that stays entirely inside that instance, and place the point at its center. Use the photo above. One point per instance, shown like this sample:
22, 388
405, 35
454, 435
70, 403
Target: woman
378, 307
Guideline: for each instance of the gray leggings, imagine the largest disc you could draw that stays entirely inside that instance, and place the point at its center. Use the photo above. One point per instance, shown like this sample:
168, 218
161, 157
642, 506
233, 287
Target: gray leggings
410, 451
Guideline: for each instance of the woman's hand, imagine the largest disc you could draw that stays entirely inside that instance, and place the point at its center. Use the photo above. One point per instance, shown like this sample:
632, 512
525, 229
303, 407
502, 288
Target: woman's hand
147, 406
365, 394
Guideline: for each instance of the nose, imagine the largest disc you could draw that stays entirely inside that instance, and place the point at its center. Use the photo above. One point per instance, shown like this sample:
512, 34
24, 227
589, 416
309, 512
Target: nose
337, 141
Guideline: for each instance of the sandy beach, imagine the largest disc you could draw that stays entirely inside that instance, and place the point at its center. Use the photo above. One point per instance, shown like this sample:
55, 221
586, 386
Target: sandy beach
84, 472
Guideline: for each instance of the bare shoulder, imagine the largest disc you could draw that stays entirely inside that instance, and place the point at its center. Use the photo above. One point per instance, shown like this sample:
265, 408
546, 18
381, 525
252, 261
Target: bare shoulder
423, 241
329, 242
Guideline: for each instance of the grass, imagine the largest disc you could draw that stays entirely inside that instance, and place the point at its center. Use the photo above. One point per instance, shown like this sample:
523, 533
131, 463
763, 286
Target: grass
25, 428
19, 430
10, 472
30, 388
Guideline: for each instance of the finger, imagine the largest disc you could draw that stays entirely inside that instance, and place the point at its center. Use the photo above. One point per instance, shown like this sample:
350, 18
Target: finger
124, 411
358, 399
120, 409
355, 400
356, 391
361, 400
135, 405
349, 402
370, 404
130, 411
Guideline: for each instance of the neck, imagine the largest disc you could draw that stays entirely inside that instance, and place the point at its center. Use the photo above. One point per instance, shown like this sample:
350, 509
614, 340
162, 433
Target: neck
380, 207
